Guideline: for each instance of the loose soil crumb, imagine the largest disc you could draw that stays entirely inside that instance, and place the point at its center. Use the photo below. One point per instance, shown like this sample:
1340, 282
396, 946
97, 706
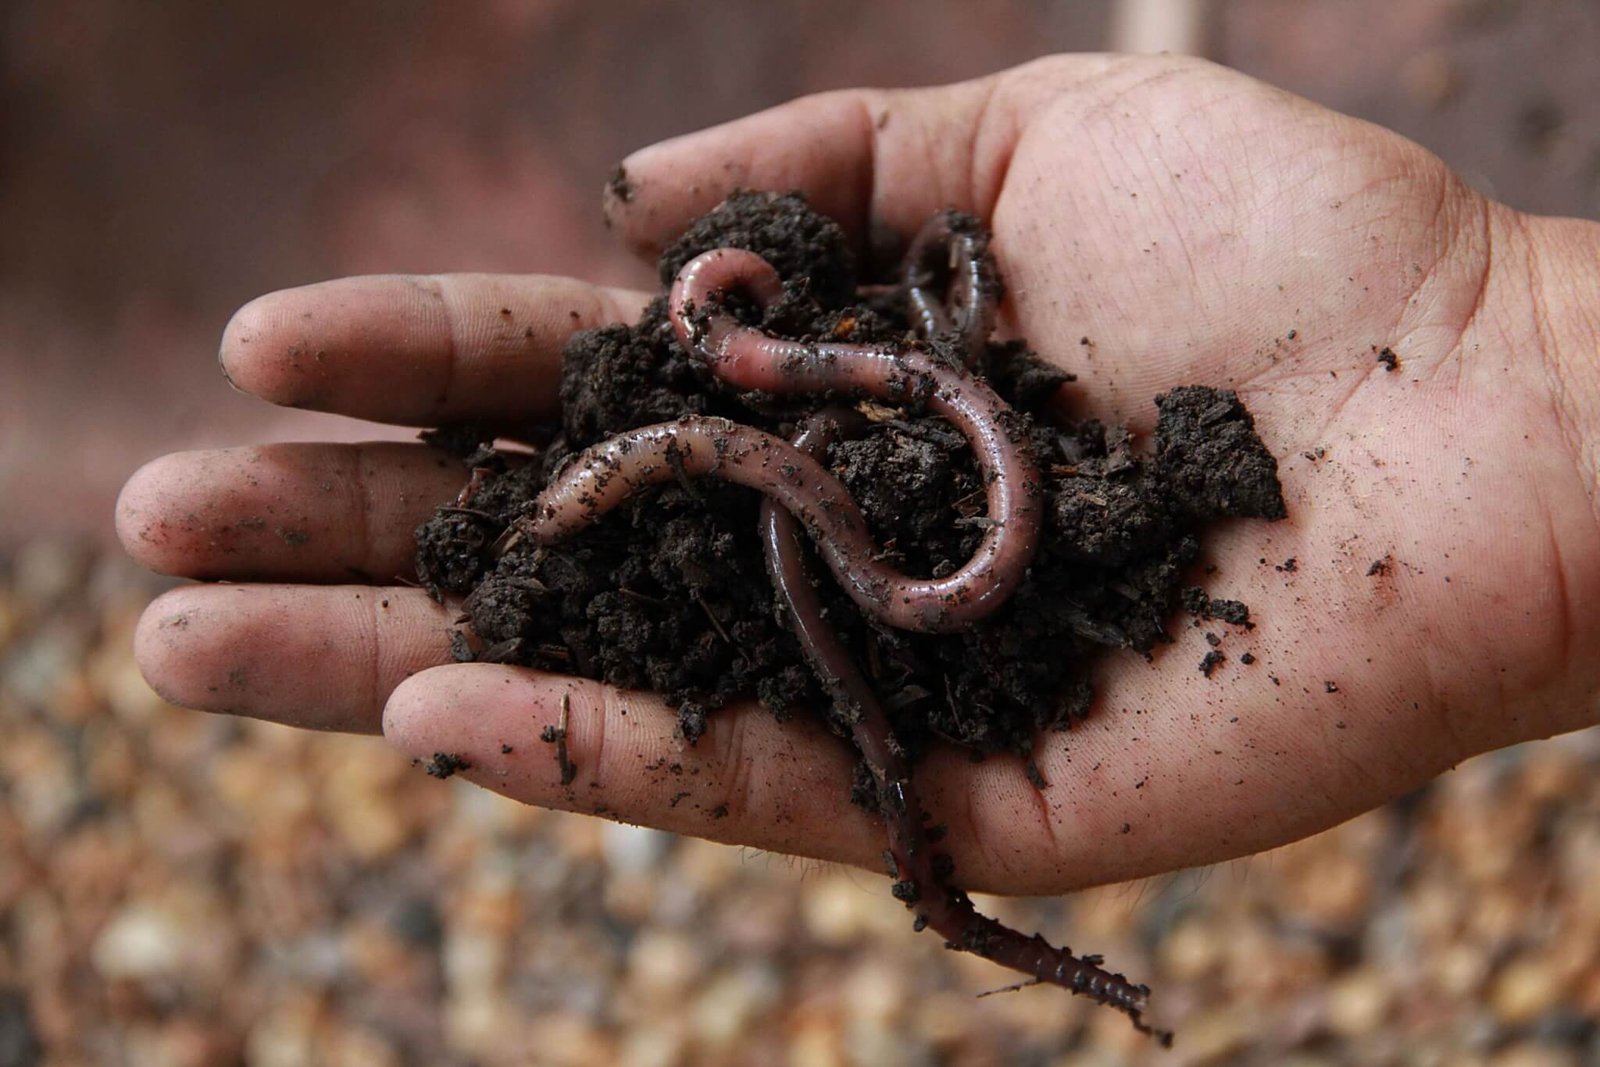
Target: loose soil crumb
1201, 606
669, 592
1390, 361
619, 185
445, 764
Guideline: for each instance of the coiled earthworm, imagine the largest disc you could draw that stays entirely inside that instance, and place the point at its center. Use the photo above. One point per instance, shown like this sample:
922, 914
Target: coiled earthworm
746, 358
949, 251
919, 881
610, 472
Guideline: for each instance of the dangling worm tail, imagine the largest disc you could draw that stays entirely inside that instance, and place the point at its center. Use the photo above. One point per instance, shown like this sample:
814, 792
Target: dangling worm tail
920, 881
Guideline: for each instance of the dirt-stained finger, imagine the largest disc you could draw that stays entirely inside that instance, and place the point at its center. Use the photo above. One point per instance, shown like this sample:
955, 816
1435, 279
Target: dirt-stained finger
417, 350
877, 161
750, 780
320, 657
286, 512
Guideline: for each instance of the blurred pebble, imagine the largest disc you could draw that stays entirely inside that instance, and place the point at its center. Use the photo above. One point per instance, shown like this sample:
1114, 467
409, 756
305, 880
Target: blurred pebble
1358, 1003
664, 963
730, 1001
1213, 1037
839, 909
633, 850
660, 1044
816, 1043
1525, 989
1527, 1054
141, 941
45, 571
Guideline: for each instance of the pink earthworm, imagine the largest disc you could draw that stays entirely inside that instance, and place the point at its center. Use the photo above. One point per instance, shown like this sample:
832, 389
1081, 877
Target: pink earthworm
949, 250
921, 882
610, 472
746, 358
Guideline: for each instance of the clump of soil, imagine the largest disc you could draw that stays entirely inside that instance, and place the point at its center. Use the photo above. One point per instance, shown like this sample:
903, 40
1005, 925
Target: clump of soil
670, 592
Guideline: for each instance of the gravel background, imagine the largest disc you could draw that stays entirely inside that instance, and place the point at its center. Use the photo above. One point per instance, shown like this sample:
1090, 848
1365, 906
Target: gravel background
192, 890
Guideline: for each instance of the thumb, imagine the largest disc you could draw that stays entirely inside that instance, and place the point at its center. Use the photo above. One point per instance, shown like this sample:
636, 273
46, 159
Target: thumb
872, 159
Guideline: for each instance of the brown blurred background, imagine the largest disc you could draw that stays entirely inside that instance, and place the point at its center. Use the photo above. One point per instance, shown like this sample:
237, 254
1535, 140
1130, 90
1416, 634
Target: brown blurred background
178, 889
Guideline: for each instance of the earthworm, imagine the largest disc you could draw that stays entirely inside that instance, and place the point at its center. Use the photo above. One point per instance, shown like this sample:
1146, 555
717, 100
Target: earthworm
745, 358
950, 249
799, 491
610, 472
920, 881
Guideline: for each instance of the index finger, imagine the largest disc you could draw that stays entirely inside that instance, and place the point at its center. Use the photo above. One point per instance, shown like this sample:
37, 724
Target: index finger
417, 350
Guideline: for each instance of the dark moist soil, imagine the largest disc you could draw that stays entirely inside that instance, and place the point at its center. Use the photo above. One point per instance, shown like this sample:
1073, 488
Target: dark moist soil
670, 591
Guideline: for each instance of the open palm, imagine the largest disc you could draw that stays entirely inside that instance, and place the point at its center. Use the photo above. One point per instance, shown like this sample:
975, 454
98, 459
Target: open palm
1159, 222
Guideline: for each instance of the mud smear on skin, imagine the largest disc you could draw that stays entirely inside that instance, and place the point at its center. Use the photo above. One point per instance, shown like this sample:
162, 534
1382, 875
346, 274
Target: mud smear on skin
670, 591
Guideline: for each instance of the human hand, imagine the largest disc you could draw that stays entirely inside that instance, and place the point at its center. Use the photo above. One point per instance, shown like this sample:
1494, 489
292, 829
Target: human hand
1197, 227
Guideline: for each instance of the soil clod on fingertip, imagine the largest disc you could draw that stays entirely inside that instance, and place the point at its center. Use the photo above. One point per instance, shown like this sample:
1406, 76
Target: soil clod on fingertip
670, 593
446, 764
619, 186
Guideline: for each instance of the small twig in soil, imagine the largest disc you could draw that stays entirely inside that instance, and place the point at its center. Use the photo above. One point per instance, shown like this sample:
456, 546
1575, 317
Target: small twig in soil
716, 623
557, 735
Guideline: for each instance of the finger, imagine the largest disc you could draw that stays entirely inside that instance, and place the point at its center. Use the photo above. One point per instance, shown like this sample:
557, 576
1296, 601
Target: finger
1114, 808
749, 780
320, 657
288, 512
872, 159
417, 350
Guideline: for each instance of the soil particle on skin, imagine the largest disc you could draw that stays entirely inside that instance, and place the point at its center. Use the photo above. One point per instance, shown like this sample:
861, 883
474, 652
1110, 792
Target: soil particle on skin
1197, 603
1390, 361
619, 185
1211, 662
446, 764
669, 591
